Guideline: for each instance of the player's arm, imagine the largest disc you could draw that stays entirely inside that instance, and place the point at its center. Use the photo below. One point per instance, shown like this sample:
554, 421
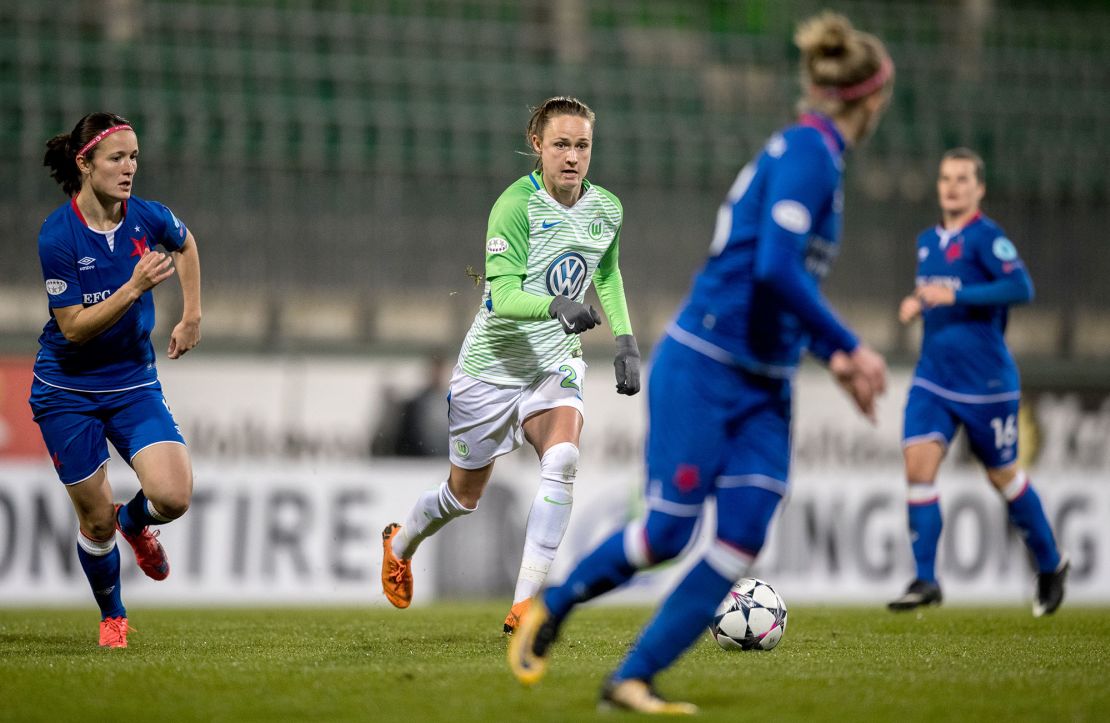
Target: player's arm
796, 194
1009, 284
80, 323
609, 285
911, 305
186, 335
610, 291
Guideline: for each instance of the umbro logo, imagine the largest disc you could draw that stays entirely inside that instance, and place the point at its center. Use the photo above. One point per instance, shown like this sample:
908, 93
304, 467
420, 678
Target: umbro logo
86, 263
545, 225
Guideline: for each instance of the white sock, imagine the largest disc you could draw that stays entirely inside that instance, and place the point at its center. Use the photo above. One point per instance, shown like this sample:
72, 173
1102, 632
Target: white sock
96, 548
150, 510
433, 510
548, 519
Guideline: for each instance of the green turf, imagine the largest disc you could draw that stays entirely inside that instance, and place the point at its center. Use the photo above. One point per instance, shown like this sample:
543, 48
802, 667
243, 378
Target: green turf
447, 663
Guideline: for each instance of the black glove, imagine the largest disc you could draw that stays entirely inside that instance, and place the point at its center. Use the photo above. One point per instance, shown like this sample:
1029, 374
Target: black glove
575, 318
627, 365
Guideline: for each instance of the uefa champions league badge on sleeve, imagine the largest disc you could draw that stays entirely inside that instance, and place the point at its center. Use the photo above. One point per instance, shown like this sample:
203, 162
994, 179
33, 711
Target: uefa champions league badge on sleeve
1003, 249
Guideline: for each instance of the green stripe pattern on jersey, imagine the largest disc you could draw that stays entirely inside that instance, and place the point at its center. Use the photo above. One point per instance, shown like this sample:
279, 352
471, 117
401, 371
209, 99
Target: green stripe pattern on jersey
556, 250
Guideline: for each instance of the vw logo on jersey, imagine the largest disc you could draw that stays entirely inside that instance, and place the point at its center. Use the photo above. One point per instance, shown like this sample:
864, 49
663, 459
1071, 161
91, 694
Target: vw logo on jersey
566, 275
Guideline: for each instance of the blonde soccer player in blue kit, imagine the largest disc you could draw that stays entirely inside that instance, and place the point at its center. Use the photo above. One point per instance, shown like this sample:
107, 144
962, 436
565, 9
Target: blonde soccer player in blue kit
720, 387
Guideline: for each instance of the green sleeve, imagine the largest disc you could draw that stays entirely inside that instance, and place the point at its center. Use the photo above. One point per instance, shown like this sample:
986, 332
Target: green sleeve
507, 233
610, 290
511, 302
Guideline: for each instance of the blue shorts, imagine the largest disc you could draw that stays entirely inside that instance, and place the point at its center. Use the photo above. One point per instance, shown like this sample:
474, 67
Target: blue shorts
77, 426
991, 426
712, 426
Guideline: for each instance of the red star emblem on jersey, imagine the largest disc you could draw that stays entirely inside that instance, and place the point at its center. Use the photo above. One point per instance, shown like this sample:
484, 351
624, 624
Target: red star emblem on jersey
57, 460
954, 252
686, 478
140, 246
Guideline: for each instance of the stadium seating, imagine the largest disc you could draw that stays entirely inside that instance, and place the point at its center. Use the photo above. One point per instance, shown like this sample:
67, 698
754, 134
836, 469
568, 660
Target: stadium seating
315, 145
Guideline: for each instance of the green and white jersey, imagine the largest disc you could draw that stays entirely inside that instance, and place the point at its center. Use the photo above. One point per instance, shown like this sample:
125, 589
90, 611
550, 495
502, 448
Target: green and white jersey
557, 250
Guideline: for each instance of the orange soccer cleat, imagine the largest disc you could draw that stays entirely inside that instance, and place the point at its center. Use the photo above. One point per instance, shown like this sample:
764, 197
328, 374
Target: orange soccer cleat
149, 552
516, 612
396, 573
113, 632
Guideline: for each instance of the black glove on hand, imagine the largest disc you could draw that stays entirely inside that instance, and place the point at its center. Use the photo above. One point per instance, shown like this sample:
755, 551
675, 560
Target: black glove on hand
575, 318
627, 365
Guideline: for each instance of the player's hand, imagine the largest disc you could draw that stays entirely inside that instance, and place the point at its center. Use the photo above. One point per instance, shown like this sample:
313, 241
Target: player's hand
863, 375
909, 309
574, 317
153, 268
931, 295
185, 336
627, 365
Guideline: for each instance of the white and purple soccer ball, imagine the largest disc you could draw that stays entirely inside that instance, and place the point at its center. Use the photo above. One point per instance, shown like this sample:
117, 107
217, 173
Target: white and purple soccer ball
751, 617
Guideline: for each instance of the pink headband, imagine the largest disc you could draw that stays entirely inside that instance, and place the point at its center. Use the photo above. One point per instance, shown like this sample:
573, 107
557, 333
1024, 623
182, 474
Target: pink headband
101, 136
863, 88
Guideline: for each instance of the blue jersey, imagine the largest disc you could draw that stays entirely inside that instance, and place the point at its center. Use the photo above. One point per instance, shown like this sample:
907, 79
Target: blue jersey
963, 350
756, 303
84, 266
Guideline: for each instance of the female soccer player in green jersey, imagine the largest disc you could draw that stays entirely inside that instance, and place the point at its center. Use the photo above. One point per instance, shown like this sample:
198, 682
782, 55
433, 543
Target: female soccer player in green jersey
520, 371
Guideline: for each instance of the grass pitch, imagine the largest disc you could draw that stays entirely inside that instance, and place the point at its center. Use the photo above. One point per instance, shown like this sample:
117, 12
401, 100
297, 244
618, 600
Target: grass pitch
447, 662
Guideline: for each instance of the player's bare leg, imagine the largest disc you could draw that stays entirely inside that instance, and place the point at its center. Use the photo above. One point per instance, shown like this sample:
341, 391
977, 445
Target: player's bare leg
166, 477
455, 497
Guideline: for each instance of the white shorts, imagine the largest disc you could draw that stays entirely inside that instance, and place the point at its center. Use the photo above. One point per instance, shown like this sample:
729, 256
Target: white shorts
484, 420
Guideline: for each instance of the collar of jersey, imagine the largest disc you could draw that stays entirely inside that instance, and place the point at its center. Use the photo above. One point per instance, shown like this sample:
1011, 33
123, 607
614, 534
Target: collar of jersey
81, 218
828, 130
952, 234
537, 180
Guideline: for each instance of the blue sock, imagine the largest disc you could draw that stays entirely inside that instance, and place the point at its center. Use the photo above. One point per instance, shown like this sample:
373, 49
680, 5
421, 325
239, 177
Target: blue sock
103, 574
134, 516
925, 525
602, 570
684, 616
1027, 514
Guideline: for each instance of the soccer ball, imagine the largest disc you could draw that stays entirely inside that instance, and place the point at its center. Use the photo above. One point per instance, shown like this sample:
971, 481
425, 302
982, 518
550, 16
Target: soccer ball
751, 617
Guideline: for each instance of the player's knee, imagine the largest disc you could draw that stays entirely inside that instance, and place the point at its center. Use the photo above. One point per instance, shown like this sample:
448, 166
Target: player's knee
98, 523
99, 529
743, 516
667, 535
1001, 477
560, 463
172, 504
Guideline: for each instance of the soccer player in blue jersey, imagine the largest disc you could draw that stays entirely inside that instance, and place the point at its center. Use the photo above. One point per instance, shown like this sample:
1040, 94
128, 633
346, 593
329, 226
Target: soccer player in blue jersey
720, 383
94, 377
968, 274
